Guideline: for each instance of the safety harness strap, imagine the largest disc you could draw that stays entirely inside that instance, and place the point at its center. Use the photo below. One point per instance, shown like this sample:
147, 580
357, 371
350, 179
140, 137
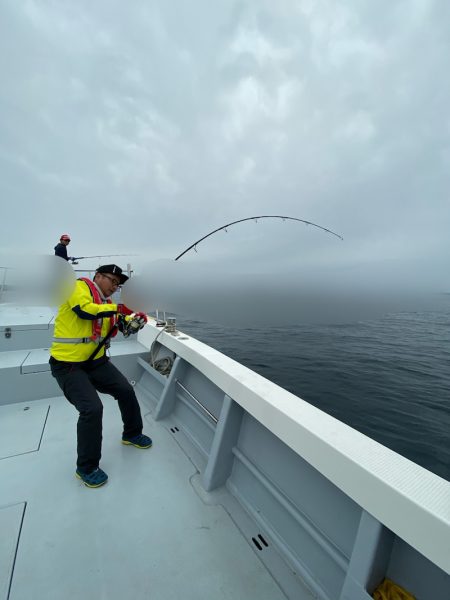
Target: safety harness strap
97, 323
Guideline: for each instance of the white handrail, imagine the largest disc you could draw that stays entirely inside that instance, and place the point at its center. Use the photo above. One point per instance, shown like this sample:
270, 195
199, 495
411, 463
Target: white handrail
409, 500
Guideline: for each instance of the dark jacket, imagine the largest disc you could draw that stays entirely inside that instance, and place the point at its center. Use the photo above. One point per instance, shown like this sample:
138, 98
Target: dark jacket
61, 250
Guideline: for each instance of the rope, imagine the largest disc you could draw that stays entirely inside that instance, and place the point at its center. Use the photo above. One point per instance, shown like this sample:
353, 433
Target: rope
152, 357
388, 590
164, 365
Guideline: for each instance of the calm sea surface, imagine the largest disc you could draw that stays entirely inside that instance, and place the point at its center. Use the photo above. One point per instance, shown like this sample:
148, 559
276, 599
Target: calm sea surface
388, 378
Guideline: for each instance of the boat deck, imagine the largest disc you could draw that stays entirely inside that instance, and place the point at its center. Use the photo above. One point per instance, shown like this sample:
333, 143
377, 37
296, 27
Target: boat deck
146, 534
249, 491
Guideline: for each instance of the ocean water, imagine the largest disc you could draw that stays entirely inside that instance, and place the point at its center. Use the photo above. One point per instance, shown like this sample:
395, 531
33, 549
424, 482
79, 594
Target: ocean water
388, 378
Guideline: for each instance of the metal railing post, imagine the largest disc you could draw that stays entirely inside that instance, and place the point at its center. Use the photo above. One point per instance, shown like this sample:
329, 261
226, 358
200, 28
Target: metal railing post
5, 271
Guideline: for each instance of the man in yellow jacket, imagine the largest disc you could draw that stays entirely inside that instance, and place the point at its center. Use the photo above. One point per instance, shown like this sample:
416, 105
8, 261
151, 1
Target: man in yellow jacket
82, 323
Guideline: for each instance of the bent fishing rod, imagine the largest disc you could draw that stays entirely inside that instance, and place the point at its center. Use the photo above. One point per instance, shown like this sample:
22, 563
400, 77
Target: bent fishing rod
282, 217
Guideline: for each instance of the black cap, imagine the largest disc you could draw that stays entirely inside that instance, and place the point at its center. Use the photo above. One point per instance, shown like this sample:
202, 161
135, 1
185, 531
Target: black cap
113, 270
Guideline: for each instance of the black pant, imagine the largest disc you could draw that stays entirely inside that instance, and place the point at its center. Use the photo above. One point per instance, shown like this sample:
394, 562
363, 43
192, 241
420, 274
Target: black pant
79, 382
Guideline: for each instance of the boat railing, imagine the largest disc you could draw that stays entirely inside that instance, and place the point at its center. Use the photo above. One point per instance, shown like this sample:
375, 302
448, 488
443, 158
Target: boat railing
404, 497
5, 274
3, 278
89, 273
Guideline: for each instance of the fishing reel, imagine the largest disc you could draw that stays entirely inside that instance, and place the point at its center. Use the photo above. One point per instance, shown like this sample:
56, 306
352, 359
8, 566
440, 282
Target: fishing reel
131, 326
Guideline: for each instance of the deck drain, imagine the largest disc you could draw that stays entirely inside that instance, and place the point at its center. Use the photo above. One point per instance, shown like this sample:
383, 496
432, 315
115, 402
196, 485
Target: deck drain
174, 429
263, 540
257, 544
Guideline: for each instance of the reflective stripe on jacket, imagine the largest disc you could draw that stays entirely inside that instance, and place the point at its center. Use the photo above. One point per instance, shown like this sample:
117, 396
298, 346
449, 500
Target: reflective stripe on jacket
76, 320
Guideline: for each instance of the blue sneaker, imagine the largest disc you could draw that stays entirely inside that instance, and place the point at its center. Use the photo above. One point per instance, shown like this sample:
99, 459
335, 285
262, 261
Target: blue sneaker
139, 441
94, 479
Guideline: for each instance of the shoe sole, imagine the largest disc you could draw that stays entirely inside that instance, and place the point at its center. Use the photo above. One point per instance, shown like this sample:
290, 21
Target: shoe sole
90, 485
127, 443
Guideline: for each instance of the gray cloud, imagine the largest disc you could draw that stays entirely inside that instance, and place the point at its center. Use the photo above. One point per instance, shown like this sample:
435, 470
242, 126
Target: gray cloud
140, 128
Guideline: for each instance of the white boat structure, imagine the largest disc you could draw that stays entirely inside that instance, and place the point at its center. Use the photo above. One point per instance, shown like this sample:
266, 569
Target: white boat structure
248, 492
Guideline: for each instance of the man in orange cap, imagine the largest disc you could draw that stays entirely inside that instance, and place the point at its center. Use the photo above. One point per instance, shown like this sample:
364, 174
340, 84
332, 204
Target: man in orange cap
61, 248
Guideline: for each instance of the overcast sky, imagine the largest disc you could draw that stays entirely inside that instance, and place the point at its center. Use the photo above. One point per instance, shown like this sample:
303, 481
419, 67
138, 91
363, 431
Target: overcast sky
140, 126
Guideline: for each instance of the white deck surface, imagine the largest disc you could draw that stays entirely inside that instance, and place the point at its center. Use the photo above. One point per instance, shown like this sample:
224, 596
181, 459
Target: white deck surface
145, 535
13, 358
20, 317
36, 360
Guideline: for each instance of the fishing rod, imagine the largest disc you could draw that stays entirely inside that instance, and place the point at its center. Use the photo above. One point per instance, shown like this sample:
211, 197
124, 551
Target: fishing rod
284, 218
74, 259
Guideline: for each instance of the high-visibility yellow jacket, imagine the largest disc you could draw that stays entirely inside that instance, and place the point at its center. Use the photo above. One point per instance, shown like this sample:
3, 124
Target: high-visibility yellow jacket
74, 322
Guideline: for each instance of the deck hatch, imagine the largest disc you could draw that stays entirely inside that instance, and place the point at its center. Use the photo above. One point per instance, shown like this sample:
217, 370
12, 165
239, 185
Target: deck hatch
27, 418
11, 519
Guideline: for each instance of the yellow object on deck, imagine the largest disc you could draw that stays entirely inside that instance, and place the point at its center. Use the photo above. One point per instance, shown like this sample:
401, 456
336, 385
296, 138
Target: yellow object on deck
388, 590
